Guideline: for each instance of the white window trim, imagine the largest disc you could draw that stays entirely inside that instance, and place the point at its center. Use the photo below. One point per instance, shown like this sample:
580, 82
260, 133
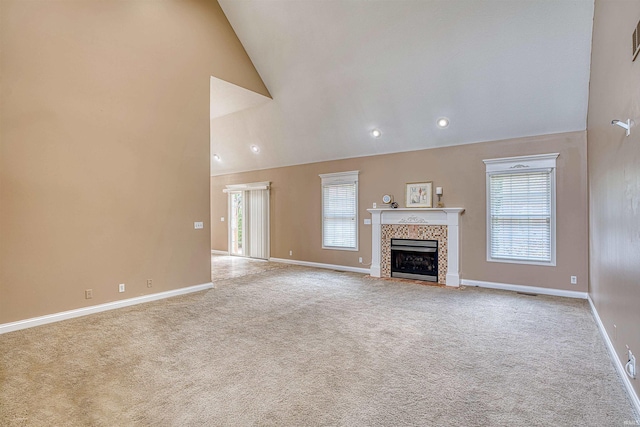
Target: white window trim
247, 187
534, 163
340, 178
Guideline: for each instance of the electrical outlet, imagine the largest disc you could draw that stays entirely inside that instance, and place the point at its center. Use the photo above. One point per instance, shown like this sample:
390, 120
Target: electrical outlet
149, 283
88, 294
360, 260
221, 219
121, 287
630, 367
574, 280
290, 253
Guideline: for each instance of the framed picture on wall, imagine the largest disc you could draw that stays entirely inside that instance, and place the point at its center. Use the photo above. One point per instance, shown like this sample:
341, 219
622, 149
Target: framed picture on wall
419, 195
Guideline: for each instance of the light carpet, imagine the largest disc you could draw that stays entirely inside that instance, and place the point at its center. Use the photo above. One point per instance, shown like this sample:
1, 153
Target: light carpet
297, 346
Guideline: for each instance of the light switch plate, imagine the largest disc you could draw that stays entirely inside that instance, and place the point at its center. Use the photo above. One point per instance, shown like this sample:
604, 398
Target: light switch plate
198, 225
367, 221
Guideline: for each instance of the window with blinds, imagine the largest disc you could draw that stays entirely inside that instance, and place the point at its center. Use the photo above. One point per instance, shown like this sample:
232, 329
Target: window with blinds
521, 209
340, 210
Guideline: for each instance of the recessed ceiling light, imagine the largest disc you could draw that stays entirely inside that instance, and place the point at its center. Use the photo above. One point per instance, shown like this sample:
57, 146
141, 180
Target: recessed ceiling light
216, 157
376, 133
255, 148
443, 122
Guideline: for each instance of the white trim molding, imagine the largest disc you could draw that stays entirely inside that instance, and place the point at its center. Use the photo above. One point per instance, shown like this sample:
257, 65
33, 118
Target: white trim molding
340, 177
633, 396
535, 162
418, 216
320, 265
217, 252
84, 311
265, 185
525, 289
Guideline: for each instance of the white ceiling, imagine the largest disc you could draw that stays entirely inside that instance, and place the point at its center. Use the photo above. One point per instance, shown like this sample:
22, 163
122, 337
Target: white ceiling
338, 68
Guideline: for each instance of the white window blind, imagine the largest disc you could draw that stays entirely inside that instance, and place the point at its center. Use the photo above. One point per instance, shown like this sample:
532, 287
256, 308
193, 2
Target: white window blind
521, 209
521, 216
340, 210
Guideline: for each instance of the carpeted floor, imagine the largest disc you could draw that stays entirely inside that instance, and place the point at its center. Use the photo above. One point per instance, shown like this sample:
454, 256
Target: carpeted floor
231, 267
294, 346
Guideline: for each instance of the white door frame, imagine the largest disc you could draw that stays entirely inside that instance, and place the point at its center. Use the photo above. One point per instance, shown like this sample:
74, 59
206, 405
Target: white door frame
231, 223
245, 188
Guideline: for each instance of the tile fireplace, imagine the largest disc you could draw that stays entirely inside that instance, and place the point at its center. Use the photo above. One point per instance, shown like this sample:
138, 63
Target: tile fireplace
439, 225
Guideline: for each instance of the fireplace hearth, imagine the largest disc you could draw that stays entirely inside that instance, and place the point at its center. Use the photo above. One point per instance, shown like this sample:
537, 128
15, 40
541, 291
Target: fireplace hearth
414, 259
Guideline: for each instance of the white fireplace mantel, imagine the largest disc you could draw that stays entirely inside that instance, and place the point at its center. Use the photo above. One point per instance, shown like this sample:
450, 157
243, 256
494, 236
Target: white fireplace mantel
419, 216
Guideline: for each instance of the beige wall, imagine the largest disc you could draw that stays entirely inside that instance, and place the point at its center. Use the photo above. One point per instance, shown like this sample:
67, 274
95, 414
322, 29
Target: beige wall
614, 176
104, 147
296, 219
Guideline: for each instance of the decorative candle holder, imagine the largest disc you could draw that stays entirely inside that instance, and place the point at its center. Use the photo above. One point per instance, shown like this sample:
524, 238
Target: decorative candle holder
439, 194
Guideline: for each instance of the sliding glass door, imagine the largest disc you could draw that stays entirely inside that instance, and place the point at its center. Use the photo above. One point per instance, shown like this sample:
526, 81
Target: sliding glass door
249, 220
237, 224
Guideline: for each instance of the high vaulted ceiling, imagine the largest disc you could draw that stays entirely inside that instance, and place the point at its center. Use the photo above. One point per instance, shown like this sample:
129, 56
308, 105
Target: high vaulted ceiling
337, 69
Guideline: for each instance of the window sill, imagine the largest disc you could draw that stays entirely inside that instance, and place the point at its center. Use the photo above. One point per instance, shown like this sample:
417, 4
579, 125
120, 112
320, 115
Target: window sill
333, 248
521, 261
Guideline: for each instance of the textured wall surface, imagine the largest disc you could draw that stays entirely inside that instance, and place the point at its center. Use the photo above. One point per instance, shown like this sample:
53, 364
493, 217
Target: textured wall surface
104, 147
614, 176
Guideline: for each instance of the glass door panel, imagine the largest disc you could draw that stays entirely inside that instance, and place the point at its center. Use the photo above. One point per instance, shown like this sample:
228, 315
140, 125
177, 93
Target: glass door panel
237, 224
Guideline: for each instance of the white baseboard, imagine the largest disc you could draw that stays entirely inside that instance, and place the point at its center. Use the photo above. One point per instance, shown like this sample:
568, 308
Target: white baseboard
217, 252
527, 289
616, 360
319, 265
56, 317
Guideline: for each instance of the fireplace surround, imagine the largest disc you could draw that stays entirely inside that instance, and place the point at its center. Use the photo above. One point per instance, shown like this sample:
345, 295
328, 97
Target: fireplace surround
441, 224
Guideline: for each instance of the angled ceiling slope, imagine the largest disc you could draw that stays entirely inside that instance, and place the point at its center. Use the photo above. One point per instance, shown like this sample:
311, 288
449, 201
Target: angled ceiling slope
337, 69
227, 98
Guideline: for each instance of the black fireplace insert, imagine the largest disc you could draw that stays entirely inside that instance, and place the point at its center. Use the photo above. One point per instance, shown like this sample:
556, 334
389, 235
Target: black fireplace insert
414, 259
